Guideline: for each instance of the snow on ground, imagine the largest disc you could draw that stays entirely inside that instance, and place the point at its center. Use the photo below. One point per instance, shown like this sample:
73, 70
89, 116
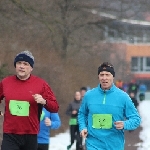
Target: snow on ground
144, 110
61, 141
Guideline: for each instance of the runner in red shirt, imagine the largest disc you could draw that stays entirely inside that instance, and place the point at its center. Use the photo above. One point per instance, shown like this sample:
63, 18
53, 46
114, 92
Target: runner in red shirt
25, 95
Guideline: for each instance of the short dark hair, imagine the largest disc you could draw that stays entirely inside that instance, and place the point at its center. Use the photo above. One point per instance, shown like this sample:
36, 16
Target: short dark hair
106, 66
83, 88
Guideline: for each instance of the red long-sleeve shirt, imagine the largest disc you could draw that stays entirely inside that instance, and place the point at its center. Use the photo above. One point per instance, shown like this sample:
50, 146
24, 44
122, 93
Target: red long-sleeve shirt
11, 88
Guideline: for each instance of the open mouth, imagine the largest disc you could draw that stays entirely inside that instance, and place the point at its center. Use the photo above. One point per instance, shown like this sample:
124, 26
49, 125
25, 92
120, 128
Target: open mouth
104, 82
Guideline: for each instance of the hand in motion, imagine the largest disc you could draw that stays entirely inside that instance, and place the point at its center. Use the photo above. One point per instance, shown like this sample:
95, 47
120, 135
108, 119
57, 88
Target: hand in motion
119, 125
47, 121
74, 112
84, 133
39, 99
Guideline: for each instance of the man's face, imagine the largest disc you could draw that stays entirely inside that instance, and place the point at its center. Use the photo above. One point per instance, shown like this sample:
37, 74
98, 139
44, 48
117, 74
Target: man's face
82, 93
106, 80
23, 70
77, 96
132, 95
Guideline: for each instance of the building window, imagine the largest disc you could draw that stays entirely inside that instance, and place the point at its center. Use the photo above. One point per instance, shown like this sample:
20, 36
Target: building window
147, 63
140, 64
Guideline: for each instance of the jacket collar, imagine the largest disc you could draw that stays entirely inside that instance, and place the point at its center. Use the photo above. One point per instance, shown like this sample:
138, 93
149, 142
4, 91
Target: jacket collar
106, 91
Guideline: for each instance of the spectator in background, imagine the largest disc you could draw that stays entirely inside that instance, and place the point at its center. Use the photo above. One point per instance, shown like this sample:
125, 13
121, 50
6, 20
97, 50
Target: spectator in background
125, 87
142, 90
48, 121
88, 88
134, 100
119, 84
133, 87
83, 90
72, 111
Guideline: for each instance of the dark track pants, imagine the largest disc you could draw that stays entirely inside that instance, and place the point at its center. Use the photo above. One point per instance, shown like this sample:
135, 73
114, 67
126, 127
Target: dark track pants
75, 135
19, 142
43, 146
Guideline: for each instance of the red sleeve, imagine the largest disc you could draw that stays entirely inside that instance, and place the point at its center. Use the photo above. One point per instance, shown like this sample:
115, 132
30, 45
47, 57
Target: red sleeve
51, 102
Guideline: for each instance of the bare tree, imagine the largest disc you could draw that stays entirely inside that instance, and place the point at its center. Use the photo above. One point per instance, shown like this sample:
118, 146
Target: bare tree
70, 24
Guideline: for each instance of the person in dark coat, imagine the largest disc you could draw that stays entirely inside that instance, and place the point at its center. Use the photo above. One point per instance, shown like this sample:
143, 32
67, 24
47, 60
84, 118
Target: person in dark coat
72, 111
133, 98
133, 87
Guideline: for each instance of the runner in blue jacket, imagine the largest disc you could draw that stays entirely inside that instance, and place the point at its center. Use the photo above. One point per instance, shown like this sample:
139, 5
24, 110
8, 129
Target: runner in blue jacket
48, 121
105, 112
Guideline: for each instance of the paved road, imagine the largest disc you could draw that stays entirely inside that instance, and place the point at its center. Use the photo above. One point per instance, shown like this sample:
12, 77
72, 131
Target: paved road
132, 139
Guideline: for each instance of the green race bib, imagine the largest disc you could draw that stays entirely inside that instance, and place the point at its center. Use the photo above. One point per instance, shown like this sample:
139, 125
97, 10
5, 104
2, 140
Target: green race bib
19, 108
102, 121
73, 121
42, 116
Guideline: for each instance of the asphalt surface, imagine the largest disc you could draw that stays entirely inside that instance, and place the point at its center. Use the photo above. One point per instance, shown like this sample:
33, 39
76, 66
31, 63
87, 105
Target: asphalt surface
132, 139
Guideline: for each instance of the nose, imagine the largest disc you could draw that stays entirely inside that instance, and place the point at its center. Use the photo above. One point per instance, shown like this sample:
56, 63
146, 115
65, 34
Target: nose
21, 65
104, 77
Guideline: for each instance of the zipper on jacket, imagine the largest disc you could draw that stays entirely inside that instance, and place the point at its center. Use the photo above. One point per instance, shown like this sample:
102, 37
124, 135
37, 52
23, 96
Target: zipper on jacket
104, 100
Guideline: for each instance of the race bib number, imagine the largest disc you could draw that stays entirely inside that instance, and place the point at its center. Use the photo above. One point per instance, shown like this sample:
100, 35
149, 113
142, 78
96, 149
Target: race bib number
102, 121
19, 108
73, 121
